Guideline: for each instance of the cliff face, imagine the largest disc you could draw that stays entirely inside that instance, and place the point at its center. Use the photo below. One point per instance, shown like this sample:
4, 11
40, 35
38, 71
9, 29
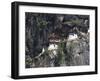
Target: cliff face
68, 52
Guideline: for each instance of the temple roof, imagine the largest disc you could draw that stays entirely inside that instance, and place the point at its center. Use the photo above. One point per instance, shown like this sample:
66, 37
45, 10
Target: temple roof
53, 38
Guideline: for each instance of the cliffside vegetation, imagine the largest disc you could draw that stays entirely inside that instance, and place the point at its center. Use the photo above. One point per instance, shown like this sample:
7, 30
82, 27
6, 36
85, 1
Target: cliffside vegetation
68, 32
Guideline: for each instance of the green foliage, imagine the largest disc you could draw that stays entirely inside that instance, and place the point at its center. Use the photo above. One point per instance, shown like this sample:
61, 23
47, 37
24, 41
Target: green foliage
28, 61
78, 22
60, 51
41, 23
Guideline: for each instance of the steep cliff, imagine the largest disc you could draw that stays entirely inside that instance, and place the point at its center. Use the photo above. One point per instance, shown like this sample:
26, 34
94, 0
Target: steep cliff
72, 48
